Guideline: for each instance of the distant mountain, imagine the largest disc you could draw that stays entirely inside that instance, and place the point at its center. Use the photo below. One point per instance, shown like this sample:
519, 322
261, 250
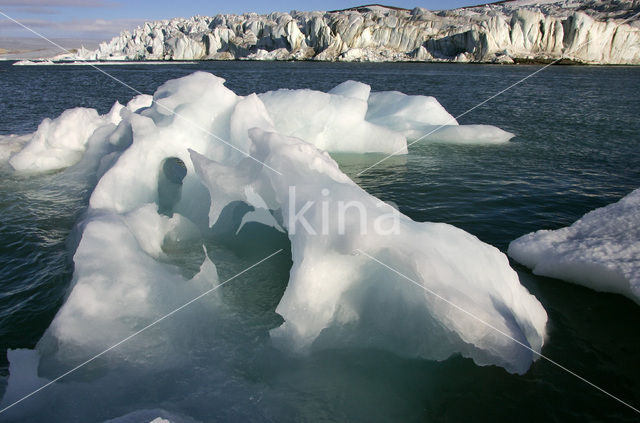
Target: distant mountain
583, 31
16, 48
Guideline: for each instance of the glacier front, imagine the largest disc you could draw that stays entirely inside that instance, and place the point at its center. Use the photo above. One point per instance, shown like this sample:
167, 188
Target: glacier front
580, 31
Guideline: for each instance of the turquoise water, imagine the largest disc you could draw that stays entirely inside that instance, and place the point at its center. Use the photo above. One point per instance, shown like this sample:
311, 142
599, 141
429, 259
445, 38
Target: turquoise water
577, 147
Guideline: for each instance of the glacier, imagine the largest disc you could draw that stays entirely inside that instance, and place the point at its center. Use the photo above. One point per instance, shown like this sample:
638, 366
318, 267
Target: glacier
600, 250
578, 31
168, 167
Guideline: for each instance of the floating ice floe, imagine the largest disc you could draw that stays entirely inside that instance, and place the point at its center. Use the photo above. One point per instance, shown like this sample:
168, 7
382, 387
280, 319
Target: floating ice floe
346, 119
601, 250
169, 168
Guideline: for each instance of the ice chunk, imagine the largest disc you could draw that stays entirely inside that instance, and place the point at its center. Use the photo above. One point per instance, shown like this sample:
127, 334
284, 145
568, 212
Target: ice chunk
118, 283
397, 110
423, 118
352, 89
601, 250
332, 122
61, 142
332, 294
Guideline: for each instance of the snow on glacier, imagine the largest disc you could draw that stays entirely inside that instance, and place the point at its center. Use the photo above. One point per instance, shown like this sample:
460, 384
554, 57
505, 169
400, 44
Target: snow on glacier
601, 250
200, 129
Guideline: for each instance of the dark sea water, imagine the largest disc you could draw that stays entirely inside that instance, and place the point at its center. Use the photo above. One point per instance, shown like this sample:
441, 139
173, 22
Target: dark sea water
577, 147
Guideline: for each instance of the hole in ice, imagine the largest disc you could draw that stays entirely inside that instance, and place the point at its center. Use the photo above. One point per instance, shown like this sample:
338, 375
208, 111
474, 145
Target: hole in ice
174, 169
172, 173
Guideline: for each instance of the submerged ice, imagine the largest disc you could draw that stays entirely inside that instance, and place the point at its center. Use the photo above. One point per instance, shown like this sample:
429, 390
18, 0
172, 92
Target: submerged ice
168, 170
600, 250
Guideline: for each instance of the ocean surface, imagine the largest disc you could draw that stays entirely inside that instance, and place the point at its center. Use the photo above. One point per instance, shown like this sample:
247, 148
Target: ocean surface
577, 148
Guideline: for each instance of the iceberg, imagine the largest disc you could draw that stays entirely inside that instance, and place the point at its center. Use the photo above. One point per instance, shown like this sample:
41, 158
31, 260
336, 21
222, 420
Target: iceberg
172, 166
600, 250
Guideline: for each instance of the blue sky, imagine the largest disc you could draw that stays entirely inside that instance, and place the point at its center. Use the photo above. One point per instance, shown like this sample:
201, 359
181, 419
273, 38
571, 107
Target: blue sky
103, 19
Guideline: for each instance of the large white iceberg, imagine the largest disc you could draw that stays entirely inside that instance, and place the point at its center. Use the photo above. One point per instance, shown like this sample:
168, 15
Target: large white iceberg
168, 171
601, 250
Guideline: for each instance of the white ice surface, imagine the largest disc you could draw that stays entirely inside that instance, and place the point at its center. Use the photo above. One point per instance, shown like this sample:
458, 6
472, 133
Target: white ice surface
126, 287
61, 142
423, 118
334, 287
11, 144
331, 122
601, 250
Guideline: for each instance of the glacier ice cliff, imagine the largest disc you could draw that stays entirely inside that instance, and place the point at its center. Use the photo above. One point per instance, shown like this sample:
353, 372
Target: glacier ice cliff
582, 31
